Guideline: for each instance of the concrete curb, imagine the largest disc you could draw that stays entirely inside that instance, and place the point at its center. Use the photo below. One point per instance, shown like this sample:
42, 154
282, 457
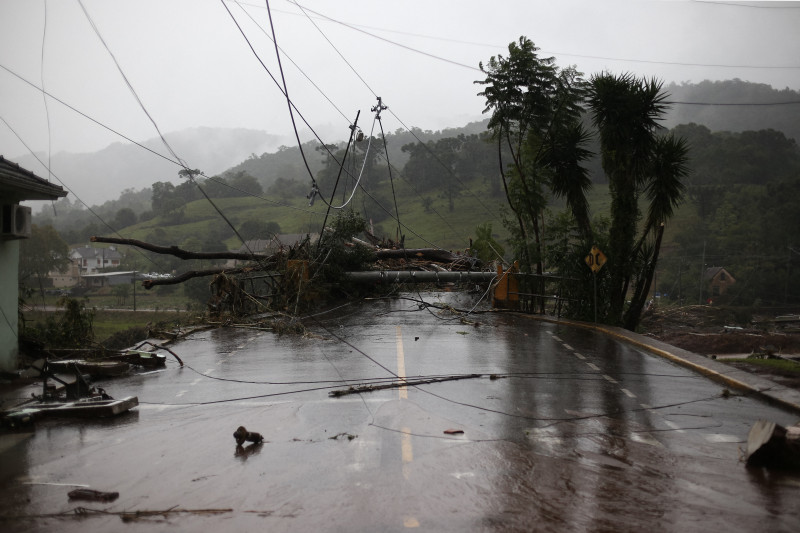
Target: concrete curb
733, 377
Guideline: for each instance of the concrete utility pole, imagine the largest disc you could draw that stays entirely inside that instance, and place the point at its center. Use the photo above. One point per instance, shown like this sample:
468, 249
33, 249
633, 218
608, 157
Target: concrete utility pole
702, 272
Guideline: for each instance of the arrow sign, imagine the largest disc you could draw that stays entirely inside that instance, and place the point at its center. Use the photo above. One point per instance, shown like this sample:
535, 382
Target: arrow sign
596, 259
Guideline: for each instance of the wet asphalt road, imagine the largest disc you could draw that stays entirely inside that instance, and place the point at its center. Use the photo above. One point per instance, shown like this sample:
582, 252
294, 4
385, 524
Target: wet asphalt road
575, 432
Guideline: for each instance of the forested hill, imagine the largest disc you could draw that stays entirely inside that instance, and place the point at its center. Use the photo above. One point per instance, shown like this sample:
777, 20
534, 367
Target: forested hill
286, 163
709, 104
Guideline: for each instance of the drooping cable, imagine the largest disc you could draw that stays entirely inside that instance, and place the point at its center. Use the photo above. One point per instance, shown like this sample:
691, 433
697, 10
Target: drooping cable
447, 168
377, 109
130, 87
88, 208
44, 97
339, 175
186, 170
84, 115
306, 76
286, 93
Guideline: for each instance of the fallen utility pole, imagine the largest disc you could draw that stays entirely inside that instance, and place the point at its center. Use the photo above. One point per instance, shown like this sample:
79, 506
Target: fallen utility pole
397, 276
429, 254
358, 389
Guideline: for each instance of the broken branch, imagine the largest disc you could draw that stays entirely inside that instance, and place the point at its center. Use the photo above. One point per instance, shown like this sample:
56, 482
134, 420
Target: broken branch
178, 252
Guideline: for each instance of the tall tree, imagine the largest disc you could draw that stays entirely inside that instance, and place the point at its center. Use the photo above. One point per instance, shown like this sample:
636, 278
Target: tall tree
626, 111
536, 111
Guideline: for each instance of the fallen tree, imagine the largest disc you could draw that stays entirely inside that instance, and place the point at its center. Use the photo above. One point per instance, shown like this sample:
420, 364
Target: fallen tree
297, 274
425, 254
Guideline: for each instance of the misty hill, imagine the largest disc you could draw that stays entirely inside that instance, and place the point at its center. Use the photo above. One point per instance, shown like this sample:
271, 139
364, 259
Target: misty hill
100, 176
287, 162
768, 107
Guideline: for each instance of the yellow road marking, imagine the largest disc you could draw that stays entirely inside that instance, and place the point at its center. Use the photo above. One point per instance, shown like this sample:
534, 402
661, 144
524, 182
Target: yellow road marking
410, 522
406, 449
401, 364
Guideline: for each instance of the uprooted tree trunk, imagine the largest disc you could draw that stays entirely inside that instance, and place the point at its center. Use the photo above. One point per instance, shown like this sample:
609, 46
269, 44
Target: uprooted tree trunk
428, 254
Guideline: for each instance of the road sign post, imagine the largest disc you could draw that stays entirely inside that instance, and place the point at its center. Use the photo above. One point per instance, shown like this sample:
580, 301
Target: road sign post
595, 260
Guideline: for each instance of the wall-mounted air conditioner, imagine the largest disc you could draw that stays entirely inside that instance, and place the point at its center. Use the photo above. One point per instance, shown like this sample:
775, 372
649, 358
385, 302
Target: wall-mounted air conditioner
16, 223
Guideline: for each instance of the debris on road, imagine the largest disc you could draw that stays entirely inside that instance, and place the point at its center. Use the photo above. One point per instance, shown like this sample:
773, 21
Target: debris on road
92, 495
453, 431
145, 358
95, 369
357, 389
770, 445
348, 436
241, 435
70, 396
243, 452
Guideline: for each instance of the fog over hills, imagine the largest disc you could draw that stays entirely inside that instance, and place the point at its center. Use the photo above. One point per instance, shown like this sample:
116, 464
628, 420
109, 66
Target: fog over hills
94, 178
100, 176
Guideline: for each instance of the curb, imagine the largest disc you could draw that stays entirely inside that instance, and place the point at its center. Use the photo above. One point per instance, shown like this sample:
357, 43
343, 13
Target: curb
764, 388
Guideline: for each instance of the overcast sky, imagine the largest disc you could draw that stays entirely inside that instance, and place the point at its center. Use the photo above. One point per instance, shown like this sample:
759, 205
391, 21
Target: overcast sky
190, 66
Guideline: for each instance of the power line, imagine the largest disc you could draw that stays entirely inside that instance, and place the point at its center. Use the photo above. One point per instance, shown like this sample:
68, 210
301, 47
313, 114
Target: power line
314, 189
491, 213
395, 43
186, 170
585, 56
758, 5
88, 208
306, 76
755, 104
140, 145
84, 115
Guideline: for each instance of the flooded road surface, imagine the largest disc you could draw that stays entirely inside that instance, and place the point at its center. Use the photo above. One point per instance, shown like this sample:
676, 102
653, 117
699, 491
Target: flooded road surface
565, 430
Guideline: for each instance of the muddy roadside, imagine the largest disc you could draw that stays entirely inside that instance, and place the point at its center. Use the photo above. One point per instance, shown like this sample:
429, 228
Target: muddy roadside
756, 343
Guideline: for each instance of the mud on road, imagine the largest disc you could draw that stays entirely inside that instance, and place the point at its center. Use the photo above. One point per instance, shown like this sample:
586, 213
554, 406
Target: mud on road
718, 331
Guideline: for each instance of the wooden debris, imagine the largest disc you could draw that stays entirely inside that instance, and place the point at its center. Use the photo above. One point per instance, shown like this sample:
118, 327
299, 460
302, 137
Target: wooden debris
92, 495
357, 389
770, 445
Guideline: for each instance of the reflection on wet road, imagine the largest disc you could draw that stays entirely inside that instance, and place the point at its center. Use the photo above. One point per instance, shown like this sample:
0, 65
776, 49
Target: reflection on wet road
564, 430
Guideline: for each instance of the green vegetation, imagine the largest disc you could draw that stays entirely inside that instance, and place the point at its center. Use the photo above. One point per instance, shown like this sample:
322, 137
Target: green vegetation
781, 365
740, 209
105, 324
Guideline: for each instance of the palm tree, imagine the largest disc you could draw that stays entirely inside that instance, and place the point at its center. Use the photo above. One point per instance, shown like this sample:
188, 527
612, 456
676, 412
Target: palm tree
626, 111
664, 190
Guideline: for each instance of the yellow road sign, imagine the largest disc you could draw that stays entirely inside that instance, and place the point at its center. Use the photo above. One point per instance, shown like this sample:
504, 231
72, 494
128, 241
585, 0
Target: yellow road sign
596, 259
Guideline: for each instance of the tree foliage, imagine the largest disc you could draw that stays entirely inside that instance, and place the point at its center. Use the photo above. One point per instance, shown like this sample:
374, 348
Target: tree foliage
626, 111
44, 252
536, 110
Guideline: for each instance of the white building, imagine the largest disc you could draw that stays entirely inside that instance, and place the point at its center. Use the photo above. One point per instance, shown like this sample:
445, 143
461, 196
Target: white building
92, 260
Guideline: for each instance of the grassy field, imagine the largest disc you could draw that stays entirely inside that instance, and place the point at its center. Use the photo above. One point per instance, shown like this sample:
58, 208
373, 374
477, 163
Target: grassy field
113, 315
107, 323
779, 365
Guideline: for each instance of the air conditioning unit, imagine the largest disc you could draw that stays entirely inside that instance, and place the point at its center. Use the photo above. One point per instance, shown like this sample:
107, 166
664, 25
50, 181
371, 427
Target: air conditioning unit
16, 223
